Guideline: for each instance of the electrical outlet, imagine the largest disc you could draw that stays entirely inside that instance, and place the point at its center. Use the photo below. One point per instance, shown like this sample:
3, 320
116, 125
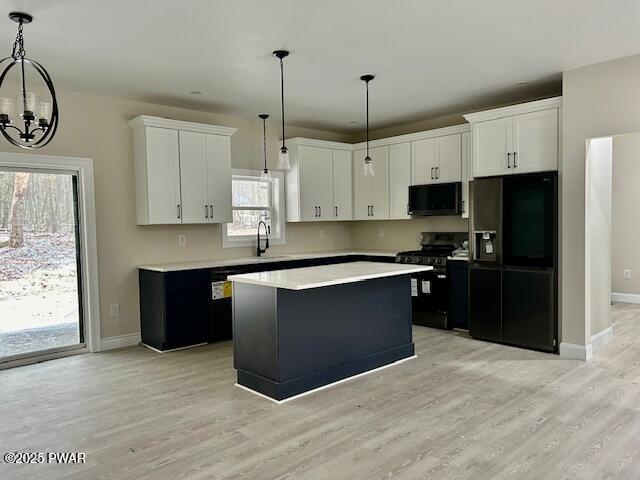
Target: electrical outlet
182, 240
626, 273
115, 309
321, 234
381, 233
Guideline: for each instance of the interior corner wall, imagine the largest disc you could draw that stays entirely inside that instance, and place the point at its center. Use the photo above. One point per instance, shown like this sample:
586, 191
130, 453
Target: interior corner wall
598, 241
625, 203
598, 100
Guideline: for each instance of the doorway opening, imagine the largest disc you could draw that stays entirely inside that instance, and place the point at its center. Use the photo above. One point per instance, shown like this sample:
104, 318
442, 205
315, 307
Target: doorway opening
41, 306
611, 251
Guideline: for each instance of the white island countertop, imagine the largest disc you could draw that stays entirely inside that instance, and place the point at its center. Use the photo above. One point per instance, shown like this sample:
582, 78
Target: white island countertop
326, 275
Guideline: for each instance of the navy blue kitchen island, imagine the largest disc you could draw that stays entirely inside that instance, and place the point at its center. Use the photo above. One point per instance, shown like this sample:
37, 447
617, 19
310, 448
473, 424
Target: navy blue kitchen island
300, 329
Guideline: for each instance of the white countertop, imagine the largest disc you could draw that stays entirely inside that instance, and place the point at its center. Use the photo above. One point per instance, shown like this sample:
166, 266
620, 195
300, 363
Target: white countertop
174, 267
326, 275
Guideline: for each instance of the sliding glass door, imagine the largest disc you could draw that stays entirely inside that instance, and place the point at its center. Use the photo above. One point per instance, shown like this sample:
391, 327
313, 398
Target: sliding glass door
40, 285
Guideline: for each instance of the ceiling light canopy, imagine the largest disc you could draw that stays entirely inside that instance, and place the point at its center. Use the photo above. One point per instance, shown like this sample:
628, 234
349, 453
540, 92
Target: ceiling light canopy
283, 156
31, 120
367, 166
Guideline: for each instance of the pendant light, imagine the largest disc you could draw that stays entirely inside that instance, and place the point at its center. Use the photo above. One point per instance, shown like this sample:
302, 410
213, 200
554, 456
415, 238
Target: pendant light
35, 120
283, 156
367, 166
266, 175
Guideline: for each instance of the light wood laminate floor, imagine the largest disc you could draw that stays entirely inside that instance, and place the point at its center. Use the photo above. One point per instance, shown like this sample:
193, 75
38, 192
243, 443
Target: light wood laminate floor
463, 409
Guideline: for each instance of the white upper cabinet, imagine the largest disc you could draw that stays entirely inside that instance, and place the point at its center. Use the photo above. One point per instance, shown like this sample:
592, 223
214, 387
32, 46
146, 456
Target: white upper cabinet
492, 147
466, 172
157, 170
437, 160
517, 139
449, 159
342, 185
319, 184
219, 178
182, 170
399, 180
371, 193
424, 162
535, 141
193, 178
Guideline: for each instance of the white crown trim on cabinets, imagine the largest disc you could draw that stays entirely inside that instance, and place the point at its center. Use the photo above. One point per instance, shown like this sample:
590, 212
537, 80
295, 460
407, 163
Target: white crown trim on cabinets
159, 122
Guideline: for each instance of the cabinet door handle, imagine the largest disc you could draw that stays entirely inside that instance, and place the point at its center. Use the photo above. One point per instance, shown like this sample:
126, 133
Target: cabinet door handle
437, 172
178, 207
211, 210
408, 209
368, 210
464, 205
320, 211
509, 160
316, 209
206, 211
431, 173
372, 211
515, 164
336, 210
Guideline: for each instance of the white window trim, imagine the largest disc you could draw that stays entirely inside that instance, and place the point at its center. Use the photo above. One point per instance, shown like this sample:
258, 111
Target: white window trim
89, 251
278, 216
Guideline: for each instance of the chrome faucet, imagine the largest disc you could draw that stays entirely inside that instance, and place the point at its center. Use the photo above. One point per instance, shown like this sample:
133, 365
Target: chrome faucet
259, 250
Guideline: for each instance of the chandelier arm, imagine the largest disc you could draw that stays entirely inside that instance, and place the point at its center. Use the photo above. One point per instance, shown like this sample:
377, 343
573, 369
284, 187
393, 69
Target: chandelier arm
12, 126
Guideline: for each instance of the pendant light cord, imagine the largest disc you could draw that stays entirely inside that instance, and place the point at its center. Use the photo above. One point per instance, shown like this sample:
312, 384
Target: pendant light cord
264, 136
367, 83
282, 97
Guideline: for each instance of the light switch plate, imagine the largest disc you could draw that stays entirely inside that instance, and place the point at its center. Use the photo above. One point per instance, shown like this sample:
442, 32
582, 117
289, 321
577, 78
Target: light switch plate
381, 233
182, 240
321, 234
627, 274
115, 309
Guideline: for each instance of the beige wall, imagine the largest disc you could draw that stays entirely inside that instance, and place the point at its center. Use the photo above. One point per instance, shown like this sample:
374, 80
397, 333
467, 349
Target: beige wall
402, 234
626, 202
598, 100
598, 259
96, 127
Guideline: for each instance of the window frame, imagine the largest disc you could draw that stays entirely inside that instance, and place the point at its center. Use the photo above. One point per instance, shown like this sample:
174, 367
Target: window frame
277, 212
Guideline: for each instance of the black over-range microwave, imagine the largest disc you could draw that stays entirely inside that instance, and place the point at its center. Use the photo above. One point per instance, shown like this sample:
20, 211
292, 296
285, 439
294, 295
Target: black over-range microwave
435, 199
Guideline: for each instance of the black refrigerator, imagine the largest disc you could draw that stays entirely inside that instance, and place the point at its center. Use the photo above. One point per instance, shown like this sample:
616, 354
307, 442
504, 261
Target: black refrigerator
513, 270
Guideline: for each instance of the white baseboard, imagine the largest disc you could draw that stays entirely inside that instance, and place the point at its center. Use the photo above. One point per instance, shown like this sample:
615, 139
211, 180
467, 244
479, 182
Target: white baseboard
572, 351
625, 297
602, 338
585, 352
121, 341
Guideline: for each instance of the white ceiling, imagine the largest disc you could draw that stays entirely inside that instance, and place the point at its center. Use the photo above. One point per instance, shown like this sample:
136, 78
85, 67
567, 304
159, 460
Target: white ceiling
430, 57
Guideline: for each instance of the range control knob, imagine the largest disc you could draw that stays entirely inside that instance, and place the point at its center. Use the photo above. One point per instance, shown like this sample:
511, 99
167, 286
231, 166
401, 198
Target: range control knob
439, 261
419, 260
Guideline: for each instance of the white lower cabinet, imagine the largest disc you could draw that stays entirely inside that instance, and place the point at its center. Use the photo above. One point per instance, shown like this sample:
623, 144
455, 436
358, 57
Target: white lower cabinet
371, 193
182, 170
399, 180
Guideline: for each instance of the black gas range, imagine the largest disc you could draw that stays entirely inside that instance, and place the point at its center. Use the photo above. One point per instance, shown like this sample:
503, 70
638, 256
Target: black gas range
430, 290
